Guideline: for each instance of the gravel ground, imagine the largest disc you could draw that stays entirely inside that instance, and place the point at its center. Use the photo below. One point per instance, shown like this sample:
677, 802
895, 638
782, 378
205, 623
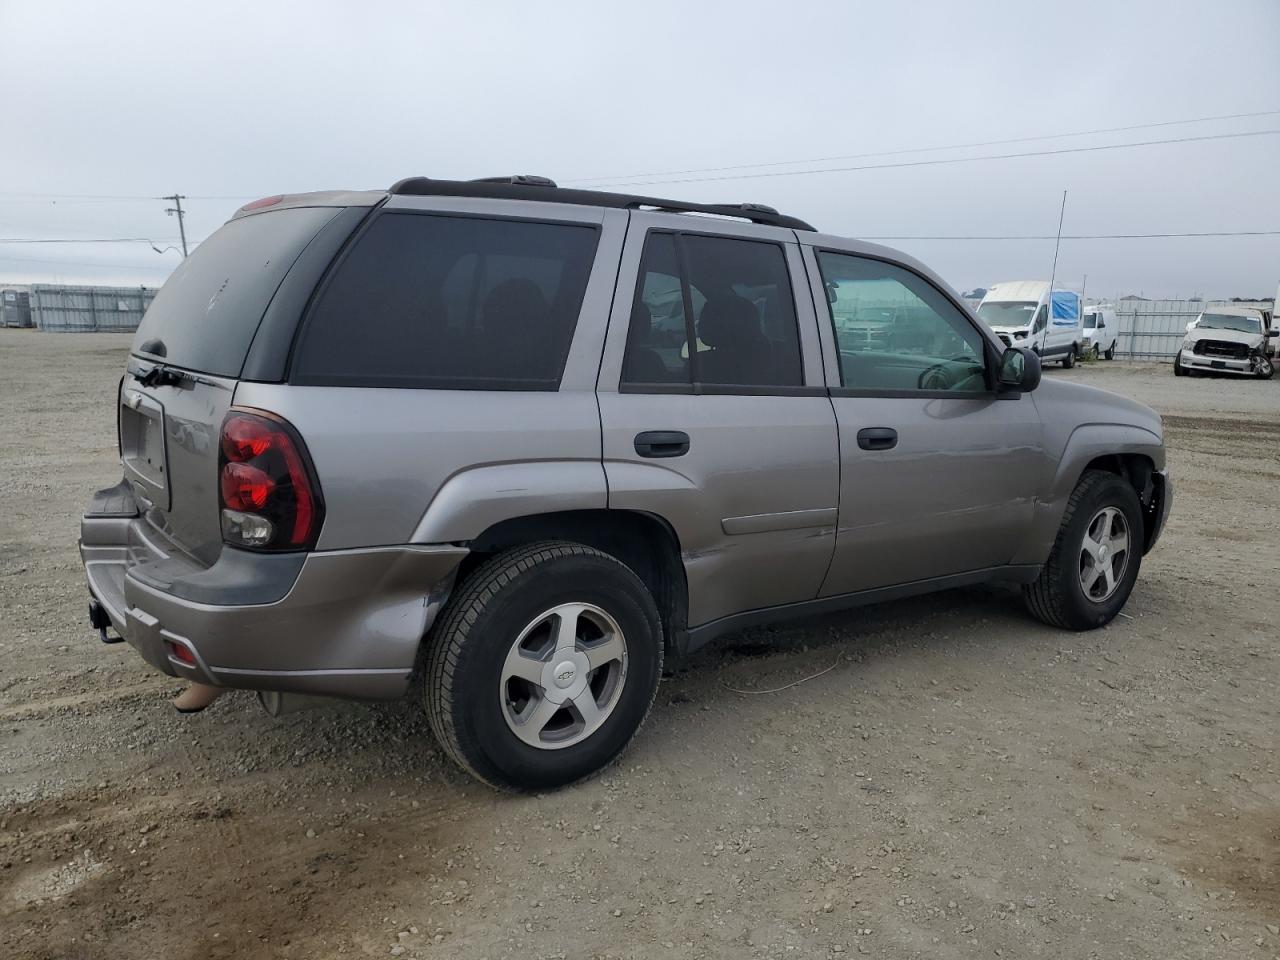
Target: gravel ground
964, 783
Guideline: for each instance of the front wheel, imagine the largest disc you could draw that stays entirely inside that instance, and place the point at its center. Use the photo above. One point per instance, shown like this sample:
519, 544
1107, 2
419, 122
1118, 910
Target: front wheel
1111, 352
1266, 369
1178, 369
1095, 558
544, 666
1093, 352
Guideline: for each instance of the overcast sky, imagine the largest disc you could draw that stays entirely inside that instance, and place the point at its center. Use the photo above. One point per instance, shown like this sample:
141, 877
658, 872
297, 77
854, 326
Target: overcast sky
237, 101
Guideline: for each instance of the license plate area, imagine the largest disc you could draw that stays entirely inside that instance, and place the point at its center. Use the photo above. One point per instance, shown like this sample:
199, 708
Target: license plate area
142, 447
1218, 364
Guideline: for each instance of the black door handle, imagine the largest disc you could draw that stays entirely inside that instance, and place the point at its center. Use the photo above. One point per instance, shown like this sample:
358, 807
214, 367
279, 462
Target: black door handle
662, 443
877, 438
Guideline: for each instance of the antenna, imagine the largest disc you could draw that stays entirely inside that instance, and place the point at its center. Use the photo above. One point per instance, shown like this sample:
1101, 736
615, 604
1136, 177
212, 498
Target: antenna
1054, 272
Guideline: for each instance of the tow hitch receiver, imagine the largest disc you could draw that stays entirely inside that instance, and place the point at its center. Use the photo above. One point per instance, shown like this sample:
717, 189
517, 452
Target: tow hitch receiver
99, 620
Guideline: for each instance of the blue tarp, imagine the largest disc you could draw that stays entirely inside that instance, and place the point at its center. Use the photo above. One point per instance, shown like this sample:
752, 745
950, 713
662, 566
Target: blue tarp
1066, 308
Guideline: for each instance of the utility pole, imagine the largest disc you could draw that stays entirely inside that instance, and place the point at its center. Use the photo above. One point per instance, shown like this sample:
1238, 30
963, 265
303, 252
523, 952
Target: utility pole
1054, 272
177, 199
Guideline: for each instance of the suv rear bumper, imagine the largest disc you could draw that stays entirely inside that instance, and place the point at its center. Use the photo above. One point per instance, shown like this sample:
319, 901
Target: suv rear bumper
342, 623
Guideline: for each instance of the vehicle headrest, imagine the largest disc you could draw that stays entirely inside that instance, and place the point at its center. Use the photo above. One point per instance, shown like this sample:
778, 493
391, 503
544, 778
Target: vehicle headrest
726, 319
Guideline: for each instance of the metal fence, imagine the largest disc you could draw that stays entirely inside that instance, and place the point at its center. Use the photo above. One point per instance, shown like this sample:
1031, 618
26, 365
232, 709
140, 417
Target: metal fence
78, 309
1153, 329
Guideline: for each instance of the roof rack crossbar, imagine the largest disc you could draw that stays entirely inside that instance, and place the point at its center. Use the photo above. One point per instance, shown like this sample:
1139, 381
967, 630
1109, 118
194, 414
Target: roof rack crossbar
527, 187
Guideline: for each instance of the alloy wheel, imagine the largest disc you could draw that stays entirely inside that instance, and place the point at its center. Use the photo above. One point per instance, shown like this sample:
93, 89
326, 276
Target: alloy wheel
563, 676
1104, 554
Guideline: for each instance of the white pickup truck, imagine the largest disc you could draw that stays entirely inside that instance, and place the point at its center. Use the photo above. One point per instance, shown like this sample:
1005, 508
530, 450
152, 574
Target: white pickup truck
1228, 340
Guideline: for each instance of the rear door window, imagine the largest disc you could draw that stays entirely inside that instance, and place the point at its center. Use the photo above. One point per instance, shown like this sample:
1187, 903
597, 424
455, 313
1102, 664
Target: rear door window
424, 300
731, 298
206, 314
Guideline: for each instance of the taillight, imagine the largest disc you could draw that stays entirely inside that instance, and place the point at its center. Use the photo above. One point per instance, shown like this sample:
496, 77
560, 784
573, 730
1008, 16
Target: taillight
266, 487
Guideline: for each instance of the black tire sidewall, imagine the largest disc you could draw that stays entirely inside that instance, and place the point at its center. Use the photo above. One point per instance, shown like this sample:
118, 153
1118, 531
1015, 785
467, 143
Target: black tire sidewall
481, 728
1082, 613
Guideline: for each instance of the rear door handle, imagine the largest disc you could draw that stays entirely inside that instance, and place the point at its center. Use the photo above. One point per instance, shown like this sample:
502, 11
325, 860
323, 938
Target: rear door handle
877, 438
662, 443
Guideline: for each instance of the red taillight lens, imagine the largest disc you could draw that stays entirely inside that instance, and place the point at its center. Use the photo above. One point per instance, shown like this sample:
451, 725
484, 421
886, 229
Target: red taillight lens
267, 489
244, 438
245, 487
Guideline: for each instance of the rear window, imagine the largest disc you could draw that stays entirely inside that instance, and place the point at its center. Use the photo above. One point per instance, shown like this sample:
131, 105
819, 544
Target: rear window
424, 300
206, 314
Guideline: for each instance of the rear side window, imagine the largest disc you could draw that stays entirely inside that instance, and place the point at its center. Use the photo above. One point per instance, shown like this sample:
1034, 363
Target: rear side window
206, 314
731, 298
450, 303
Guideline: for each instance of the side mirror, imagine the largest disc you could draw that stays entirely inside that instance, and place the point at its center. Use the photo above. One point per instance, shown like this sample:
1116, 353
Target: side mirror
1019, 369
1272, 333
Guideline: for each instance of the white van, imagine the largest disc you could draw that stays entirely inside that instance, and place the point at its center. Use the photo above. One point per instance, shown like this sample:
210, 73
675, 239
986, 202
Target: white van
1018, 313
1101, 330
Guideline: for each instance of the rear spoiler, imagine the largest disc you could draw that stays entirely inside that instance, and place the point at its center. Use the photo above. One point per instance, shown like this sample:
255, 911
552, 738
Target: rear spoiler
319, 198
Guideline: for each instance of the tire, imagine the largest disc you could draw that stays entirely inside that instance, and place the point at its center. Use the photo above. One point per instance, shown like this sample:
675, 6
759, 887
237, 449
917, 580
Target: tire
1093, 352
1268, 370
1178, 369
1058, 596
470, 697
1069, 360
1110, 353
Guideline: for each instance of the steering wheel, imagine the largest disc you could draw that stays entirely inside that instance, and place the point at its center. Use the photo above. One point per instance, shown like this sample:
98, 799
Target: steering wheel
939, 377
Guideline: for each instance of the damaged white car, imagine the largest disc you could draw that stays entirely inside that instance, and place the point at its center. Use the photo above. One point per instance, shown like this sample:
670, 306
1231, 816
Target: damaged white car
1229, 340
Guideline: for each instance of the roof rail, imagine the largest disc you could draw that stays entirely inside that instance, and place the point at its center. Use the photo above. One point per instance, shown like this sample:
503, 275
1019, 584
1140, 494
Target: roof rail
529, 187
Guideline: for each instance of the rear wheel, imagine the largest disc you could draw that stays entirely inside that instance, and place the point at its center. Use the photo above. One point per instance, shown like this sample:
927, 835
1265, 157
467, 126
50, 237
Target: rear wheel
1069, 360
544, 666
1095, 558
1110, 353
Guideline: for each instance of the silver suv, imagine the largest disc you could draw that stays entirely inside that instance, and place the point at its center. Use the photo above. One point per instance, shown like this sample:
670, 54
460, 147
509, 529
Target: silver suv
520, 443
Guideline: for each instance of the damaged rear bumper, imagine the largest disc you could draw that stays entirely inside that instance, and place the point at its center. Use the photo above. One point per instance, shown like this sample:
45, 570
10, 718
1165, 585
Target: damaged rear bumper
342, 623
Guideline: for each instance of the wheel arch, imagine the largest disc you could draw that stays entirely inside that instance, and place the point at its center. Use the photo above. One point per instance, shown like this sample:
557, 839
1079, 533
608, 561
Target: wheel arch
1128, 451
643, 541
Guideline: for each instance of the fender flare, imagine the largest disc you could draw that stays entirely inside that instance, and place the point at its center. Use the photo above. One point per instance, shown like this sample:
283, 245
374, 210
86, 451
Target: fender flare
1086, 444
473, 500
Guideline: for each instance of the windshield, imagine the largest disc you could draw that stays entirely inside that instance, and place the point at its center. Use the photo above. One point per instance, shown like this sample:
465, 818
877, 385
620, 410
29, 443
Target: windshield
1229, 321
1008, 313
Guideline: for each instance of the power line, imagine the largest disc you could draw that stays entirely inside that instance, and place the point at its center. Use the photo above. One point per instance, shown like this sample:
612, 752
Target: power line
157, 265
8, 195
932, 163
954, 146
86, 240
1083, 236
103, 198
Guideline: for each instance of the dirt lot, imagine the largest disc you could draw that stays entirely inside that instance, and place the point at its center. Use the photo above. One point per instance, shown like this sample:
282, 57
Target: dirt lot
964, 782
